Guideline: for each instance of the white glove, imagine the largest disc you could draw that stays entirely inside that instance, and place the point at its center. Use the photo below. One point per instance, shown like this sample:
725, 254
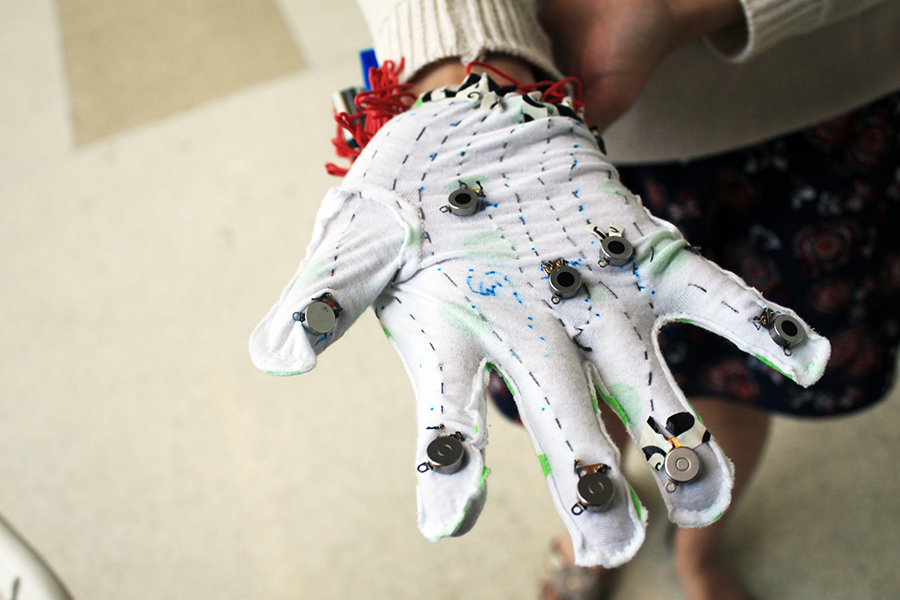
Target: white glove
489, 231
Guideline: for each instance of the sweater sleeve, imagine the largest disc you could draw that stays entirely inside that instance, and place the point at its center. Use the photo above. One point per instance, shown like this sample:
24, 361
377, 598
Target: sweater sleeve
426, 31
768, 22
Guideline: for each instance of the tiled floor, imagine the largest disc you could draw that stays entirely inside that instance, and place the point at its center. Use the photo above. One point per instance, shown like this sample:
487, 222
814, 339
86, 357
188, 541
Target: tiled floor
141, 452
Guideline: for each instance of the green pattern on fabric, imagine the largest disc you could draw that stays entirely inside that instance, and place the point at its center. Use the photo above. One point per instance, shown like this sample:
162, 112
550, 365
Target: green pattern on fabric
624, 400
490, 245
669, 253
596, 294
545, 464
465, 318
636, 501
770, 364
309, 274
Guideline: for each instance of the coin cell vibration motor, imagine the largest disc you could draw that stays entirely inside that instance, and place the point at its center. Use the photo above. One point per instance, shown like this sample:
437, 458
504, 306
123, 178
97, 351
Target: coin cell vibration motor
446, 455
596, 491
320, 316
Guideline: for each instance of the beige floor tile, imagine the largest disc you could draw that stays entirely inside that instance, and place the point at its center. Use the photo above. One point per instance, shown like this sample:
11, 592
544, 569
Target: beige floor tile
134, 62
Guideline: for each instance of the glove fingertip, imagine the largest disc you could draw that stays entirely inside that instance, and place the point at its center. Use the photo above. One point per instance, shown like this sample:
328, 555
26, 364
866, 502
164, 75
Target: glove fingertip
300, 357
804, 365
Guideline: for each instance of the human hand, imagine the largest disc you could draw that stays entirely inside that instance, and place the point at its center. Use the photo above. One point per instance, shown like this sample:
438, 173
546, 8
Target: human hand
614, 45
490, 232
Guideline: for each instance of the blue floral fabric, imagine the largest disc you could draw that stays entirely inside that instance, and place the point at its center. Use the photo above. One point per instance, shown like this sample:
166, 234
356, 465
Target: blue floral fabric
812, 220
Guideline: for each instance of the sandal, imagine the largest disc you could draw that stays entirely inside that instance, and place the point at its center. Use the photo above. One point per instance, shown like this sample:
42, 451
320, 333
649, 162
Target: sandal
568, 581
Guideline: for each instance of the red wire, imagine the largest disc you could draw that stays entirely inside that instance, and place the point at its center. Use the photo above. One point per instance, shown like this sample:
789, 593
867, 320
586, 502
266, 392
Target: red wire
388, 98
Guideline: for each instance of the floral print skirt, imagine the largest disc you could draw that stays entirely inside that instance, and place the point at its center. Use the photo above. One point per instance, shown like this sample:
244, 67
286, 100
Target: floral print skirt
812, 220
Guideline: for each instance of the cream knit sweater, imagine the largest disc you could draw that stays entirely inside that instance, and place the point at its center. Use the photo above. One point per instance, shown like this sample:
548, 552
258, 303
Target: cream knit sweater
791, 64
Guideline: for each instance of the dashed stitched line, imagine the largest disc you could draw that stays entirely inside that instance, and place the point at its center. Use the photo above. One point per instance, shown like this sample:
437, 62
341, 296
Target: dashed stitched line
570, 446
650, 379
736, 311
516, 356
638, 229
443, 141
652, 409
451, 280
558, 424
534, 379
702, 289
418, 137
394, 187
609, 289
406, 158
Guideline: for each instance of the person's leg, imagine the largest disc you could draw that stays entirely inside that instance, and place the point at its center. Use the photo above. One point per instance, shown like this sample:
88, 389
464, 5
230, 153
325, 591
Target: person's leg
704, 572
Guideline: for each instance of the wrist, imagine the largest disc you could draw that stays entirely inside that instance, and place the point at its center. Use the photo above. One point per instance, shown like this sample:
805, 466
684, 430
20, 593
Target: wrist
694, 19
451, 71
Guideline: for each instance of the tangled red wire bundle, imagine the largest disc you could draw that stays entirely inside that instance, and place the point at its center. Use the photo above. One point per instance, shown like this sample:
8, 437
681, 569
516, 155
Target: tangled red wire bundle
388, 98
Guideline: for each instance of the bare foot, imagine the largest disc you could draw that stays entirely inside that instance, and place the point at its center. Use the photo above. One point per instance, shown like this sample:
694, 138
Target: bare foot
709, 578
566, 581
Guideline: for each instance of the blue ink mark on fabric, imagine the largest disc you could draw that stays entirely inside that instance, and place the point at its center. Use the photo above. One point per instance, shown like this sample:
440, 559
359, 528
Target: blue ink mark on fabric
462, 153
491, 283
432, 155
575, 193
320, 339
581, 209
455, 124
